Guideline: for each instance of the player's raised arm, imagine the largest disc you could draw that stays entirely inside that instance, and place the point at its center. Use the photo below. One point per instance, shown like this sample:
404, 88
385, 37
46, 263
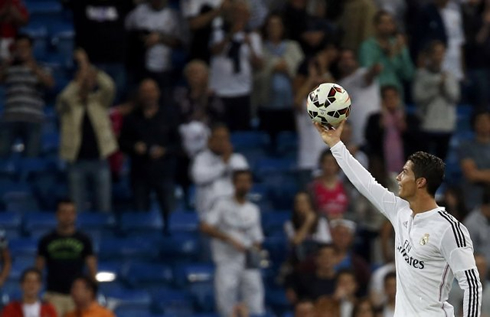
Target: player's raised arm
379, 196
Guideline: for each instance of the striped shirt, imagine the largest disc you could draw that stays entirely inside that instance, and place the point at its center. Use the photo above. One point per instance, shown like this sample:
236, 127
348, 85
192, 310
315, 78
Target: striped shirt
24, 97
431, 249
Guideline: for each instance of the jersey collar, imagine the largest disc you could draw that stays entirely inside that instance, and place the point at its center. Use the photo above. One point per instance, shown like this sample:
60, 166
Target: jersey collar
428, 213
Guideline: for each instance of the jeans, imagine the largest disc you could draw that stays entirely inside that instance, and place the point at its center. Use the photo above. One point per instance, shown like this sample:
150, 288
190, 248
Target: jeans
28, 132
165, 193
117, 71
98, 174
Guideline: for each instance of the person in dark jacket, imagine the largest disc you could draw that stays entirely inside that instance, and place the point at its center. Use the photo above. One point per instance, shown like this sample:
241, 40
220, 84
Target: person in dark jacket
151, 139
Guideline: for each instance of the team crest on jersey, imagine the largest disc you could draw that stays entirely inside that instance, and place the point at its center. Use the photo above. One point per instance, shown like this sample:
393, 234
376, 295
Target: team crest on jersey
425, 239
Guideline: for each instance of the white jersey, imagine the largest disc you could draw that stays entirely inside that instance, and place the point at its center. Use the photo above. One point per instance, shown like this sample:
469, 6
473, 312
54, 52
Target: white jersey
431, 249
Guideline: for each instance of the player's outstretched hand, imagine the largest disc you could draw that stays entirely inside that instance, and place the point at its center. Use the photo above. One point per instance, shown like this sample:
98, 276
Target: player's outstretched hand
330, 136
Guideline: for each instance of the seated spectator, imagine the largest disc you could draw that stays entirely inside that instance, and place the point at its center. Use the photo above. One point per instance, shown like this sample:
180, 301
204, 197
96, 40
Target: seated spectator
201, 14
327, 307
304, 308
235, 53
30, 305
388, 307
356, 23
273, 92
199, 108
436, 94
390, 134
65, 253
377, 293
233, 223
362, 84
364, 308
389, 51
154, 31
453, 201
306, 230
99, 30
477, 223
13, 15
345, 292
212, 169
87, 138
474, 157
321, 282
5, 258
311, 73
328, 190
343, 238
84, 294
150, 138
23, 114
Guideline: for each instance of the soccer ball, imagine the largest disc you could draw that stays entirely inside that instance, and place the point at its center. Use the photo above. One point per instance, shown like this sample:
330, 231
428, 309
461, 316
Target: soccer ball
328, 104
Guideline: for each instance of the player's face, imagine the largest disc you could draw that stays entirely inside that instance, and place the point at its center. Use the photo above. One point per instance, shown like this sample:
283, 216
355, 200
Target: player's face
406, 181
31, 286
66, 214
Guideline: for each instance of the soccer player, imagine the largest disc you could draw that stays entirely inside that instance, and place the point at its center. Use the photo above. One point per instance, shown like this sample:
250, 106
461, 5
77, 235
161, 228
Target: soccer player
432, 247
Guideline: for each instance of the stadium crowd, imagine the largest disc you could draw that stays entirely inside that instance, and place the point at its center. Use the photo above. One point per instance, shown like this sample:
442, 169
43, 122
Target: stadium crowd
198, 107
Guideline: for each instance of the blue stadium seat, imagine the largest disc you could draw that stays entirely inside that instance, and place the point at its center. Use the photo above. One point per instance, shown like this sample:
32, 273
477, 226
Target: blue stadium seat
170, 301
10, 291
193, 273
123, 311
39, 221
50, 142
129, 298
29, 166
39, 36
44, 7
287, 142
18, 266
109, 287
11, 222
96, 220
203, 295
275, 298
48, 187
183, 221
180, 246
142, 275
253, 155
277, 246
269, 166
109, 268
249, 139
8, 168
273, 221
127, 248
141, 221
23, 247
63, 41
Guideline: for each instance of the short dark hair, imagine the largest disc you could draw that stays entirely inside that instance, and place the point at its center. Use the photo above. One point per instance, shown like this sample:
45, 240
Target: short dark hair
388, 276
30, 270
239, 172
347, 272
90, 284
63, 201
379, 15
486, 196
476, 115
386, 88
429, 167
24, 36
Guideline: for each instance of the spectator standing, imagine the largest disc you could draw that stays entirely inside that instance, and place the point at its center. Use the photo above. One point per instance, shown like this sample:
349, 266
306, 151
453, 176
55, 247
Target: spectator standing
273, 92
99, 30
320, 282
306, 230
150, 137
5, 258
388, 48
24, 114
13, 15
388, 307
362, 85
30, 305
87, 138
84, 294
235, 53
474, 156
202, 15
154, 31
199, 108
212, 169
356, 23
478, 225
65, 253
234, 224
328, 190
436, 93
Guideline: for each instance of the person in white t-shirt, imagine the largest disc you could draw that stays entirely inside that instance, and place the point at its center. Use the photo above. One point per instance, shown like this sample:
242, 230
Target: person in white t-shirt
30, 304
212, 169
432, 247
233, 223
235, 53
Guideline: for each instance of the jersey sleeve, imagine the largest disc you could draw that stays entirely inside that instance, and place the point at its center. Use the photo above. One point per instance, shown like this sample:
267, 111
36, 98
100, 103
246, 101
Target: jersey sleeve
457, 249
213, 216
384, 200
256, 232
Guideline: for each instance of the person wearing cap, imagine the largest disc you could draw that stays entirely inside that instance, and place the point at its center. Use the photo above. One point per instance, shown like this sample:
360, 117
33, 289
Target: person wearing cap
343, 232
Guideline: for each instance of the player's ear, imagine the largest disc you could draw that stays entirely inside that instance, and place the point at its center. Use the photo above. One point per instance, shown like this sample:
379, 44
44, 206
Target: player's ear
421, 182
